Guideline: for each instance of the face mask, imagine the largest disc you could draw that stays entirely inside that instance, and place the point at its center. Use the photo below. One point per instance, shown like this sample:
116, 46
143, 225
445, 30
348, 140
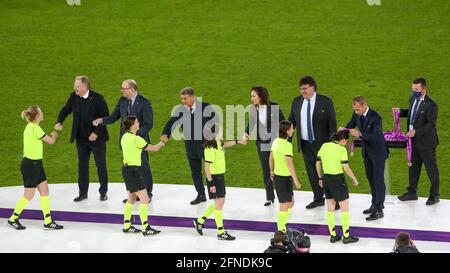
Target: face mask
417, 95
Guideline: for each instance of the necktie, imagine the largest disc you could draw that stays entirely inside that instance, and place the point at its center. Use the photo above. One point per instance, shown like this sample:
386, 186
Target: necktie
129, 107
308, 122
362, 118
190, 110
414, 113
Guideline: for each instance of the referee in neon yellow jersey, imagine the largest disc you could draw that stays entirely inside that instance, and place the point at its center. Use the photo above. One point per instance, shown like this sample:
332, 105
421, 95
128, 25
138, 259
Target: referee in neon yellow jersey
215, 174
282, 173
333, 160
33, 172
132, 146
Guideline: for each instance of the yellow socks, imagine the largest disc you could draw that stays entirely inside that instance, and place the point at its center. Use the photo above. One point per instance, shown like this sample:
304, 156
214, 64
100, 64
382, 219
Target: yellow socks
20, 206
143, 213
45, 206
219, 221
208, 211
128, 210
330, 221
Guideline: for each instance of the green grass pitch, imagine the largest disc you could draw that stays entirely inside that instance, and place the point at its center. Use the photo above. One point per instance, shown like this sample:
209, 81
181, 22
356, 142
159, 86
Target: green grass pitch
221, 48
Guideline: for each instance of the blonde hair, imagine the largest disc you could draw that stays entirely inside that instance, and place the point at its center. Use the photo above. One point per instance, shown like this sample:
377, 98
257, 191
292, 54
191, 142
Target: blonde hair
84, 80
30, 113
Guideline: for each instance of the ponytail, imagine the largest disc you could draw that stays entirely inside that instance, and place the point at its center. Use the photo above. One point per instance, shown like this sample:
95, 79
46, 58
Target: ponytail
30, 113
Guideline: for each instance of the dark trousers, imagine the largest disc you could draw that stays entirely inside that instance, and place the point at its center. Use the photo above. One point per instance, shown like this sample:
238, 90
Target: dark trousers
309, 151
268, 184
147, 172
85, 148
428, 157
375, 175
196, 172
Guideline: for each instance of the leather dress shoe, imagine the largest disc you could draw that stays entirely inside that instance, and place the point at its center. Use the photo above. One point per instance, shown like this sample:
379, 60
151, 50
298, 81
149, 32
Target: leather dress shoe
408, 197
81, 197
315, 204
200, 198
375, 216
432, 201
103, 197
369, 210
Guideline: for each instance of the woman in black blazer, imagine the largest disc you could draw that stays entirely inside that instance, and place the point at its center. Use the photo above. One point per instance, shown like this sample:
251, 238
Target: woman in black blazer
266, 115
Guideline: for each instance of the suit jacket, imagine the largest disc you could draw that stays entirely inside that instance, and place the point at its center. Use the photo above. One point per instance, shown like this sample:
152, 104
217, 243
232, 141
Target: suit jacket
194, 148
97, 108
372, 137
425, 124
270, 128
324, 119
142, 109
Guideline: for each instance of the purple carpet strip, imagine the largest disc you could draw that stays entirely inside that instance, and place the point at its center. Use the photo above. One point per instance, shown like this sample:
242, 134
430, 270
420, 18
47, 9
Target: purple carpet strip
186, 222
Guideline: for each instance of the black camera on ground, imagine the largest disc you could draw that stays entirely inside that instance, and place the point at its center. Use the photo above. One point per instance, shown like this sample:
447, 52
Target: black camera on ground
296, 241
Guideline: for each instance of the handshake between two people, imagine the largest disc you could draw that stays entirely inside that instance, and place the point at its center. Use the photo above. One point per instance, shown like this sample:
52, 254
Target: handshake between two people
58, 127
243, 141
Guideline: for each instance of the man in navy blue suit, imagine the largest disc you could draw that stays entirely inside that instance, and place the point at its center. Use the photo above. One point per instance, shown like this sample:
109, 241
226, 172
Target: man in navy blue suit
374, 152
134, 103
422, 115
195, 117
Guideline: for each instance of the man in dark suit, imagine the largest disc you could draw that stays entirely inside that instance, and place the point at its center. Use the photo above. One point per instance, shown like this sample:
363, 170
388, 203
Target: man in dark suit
87, 105
194, 116
314, 116
374, 151
133, 103
422, 116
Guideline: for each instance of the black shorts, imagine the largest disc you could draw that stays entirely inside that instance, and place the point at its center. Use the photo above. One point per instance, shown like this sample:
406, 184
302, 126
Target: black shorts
134, 180
335, 187
33, 172
218, 180
283, 187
